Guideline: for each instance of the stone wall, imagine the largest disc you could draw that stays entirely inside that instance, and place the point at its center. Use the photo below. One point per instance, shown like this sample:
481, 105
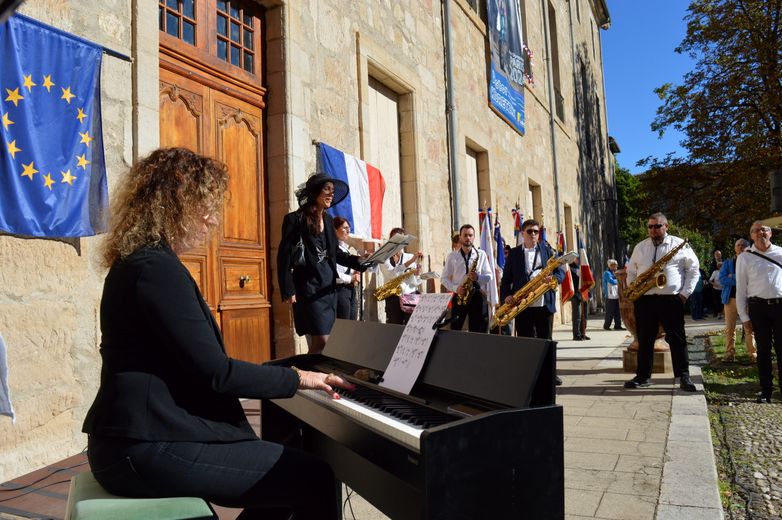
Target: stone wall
50, 289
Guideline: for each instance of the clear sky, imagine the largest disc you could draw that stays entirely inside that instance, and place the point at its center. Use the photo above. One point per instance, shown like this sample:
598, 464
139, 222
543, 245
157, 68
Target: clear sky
638, 56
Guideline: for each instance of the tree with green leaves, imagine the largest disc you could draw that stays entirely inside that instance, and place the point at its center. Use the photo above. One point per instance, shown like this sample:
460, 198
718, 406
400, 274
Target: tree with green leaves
730, 105
629, 196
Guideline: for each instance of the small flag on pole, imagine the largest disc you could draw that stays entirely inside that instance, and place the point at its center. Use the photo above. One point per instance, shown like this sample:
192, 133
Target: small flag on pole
587, 279
486, 245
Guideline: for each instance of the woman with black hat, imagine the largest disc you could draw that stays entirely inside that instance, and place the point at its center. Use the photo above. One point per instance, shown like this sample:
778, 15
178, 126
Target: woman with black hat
308, 256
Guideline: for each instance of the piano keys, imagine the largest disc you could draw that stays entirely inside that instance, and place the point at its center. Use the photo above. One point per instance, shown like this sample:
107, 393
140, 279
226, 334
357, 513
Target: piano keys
480, 435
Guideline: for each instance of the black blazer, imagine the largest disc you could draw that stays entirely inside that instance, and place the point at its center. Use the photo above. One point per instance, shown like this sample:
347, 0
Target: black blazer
165, 373
305, 281
514, 276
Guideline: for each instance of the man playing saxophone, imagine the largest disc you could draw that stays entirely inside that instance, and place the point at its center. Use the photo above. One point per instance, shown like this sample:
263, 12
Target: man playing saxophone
468, 274
662, 299
400, 264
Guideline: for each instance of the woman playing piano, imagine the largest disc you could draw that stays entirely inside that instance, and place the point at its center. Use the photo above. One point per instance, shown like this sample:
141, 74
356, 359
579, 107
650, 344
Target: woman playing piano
167, 420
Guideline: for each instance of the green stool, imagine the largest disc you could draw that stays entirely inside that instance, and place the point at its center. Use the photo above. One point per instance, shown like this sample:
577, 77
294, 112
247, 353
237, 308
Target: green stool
87, 500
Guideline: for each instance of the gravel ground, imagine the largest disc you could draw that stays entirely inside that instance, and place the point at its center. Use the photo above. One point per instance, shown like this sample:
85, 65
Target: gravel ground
748, 448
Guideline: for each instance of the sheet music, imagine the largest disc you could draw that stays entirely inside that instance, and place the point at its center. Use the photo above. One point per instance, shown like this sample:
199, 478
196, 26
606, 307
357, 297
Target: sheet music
411, 351
390, 248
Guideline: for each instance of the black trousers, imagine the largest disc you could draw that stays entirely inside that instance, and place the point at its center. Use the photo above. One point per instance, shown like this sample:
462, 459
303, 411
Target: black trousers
577, 315
268, 480
347, 303
651, 311
612, 313
767, 323
535, 322
477, 309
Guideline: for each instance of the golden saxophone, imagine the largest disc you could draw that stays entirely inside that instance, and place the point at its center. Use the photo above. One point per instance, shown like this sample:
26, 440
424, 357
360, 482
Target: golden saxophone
531, 291
652, 277
469, 287
393, 287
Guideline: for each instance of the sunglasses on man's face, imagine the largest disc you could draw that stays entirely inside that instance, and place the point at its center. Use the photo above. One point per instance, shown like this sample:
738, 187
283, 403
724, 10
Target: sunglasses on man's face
655, 226
533, 231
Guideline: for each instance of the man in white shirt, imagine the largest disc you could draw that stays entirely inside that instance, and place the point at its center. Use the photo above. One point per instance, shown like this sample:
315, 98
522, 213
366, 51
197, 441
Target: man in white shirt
662, 306
458, 268
759, 302
398, 265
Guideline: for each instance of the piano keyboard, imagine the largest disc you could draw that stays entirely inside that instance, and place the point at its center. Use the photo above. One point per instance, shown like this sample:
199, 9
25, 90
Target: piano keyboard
394, 418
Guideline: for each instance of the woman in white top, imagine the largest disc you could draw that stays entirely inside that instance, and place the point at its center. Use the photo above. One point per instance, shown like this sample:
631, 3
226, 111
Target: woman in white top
347, 278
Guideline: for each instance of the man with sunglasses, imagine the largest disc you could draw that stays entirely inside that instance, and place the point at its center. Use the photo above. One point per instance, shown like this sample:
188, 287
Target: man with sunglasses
665, 305
523, 263
759, 302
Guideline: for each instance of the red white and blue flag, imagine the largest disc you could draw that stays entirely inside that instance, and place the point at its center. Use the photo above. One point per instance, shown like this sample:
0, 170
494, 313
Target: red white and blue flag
567, 284
363, 207
587, 279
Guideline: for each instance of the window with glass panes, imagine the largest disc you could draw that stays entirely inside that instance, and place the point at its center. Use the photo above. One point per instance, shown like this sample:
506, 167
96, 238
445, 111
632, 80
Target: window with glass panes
235, 34
234, 37
178, 18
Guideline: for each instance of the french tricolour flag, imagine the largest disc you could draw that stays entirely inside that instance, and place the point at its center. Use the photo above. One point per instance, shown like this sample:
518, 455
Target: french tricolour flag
363, 207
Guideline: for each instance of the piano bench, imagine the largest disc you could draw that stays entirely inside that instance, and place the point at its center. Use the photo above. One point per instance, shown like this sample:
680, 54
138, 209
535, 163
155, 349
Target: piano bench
87, 500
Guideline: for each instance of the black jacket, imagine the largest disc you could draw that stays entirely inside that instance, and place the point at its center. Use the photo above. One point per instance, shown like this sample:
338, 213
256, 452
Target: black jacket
305, 281
165, 374
514, 276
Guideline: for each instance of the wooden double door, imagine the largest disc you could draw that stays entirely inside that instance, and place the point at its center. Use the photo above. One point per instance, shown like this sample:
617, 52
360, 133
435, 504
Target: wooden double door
232, 269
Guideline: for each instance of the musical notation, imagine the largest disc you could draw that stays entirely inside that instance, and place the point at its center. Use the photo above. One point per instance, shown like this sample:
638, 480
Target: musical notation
411, 351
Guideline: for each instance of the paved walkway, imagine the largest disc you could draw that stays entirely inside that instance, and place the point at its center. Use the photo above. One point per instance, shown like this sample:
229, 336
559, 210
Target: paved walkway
629, 454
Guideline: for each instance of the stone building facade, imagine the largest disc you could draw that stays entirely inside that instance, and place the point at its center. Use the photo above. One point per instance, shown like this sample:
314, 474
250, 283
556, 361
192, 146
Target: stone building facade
365, 76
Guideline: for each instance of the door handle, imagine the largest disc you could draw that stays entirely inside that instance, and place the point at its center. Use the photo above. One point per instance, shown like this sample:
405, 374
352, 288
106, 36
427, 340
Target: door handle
243, 280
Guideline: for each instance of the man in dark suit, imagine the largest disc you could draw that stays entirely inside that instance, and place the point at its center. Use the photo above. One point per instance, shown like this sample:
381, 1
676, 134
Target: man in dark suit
524, 262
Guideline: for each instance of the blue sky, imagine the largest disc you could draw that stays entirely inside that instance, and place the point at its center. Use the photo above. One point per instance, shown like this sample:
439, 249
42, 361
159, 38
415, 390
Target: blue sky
638, 56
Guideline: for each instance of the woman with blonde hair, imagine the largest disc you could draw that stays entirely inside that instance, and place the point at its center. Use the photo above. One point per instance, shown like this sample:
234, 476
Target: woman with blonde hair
167, 420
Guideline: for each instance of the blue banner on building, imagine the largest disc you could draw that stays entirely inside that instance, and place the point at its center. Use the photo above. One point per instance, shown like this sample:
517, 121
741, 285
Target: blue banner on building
52, 168
507, 57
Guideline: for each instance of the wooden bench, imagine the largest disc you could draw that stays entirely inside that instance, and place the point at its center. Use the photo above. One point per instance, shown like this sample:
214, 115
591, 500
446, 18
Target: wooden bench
87, 500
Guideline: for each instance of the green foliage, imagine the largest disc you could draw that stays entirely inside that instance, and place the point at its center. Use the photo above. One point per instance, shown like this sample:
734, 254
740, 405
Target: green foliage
629, 196
729, 105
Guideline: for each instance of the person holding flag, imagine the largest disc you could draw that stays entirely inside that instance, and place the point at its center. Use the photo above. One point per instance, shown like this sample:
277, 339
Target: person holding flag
583, 282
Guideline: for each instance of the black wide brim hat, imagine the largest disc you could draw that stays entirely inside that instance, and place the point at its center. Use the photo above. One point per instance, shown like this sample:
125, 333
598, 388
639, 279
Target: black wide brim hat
309, 191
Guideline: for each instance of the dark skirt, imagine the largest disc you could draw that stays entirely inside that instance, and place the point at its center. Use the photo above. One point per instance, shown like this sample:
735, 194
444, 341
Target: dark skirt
315, 316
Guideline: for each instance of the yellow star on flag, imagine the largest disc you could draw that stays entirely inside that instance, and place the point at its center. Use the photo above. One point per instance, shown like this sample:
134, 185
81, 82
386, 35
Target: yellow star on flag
66, 94
14, 96
83, 162
48, 83
29, 83
12, 149
7, 121
85, 138
81, 115
29, 170
67, 177
47, 180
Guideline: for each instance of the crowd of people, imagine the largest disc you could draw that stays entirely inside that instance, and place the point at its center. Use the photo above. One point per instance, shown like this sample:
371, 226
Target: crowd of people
167, 420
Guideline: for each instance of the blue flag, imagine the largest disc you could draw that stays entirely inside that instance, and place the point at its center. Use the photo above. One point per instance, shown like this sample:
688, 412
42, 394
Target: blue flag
500, 245
52, 169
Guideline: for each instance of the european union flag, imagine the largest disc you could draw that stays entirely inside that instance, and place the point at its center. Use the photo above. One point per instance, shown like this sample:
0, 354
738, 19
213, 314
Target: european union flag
52, 170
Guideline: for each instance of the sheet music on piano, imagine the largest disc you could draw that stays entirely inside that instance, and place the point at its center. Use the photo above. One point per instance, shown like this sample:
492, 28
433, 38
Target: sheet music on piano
410, 354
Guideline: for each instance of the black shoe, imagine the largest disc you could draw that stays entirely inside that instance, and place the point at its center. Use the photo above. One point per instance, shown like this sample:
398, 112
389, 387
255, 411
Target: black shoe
763, 398
606, 328
577, 338
619, 328
584, 337
686, 384
557, 380
637, 382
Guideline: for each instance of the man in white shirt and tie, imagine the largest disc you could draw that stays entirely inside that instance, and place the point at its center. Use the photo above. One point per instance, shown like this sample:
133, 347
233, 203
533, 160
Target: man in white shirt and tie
458, 268
759, 302
662, 305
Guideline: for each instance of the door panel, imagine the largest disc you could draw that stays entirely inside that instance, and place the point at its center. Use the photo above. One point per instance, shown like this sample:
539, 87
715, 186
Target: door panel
240, 324
232, 269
